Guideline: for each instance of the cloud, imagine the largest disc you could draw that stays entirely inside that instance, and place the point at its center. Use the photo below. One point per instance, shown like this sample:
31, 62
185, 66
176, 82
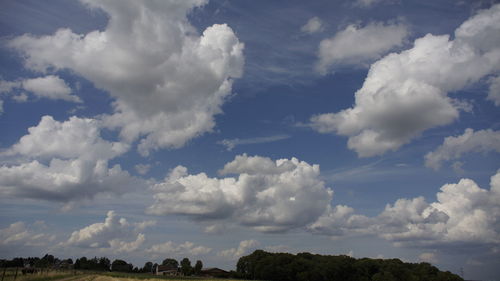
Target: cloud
356, 45
245, 247
367, 3
266, 195
64, 161
110, 234
142, 169
168, 81
119, 246
340, 221
279, 249
405, 93
463, 217
74, 138
22, 97
230, 144
19, 235
464, 213
428, 257
7, 86
455, 147
494, 91
144, 224
186, 248
51, 87
313, 25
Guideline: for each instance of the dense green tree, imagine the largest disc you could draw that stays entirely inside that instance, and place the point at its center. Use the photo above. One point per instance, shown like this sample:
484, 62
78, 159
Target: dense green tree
121, 265
170, 262
148, 267
15, 262
186, 268
197, 267
104, 263
383, 276
98, 264
46, 261
305, 266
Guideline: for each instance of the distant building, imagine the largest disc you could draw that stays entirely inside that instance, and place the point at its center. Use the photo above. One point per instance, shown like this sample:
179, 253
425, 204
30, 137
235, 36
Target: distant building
214, 272
64, 264
167, 270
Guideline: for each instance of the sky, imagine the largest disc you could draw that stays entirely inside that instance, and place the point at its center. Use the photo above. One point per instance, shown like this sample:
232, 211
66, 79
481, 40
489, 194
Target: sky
144, 130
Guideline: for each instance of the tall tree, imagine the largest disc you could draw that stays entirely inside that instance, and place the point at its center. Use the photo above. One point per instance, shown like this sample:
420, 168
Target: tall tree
148, 267
104, 263
186, 268
121, 265
197, 267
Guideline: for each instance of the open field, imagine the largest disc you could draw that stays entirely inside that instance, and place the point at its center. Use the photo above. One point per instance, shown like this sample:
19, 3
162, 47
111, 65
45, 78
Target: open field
93, 276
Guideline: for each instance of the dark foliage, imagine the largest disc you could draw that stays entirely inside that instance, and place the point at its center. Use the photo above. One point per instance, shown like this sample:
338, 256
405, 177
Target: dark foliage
148, 267
121, 266
44, 262
186, 267
305, 266
98, 264
171, 262
197, 267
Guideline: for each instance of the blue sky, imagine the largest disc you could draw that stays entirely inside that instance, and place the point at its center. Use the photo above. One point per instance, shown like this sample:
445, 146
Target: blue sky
208, 129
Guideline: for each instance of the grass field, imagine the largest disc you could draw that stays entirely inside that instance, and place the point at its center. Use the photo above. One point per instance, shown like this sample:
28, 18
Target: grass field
93, 276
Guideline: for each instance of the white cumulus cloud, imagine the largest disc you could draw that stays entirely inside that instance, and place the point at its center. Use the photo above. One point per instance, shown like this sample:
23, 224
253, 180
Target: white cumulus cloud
65, 161
463, 215
51, 87
405, 93
266, 195
339, 221
454, 148
494, 91
356, 45
168, 80
245, 247
74, 138
18, 234
111, 234
119, 246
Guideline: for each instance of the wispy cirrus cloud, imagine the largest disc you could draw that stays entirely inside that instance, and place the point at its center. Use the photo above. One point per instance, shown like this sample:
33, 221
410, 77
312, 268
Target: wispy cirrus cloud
230, 144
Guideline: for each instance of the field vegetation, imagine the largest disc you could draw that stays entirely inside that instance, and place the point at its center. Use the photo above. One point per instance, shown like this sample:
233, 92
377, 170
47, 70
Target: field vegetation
84, 275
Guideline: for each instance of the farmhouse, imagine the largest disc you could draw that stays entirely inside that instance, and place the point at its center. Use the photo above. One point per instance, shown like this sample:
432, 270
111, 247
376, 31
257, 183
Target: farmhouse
214, 272
167, 270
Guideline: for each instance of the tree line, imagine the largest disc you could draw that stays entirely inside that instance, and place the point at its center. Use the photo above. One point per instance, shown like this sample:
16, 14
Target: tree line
262, 265
44, 262
102, 264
